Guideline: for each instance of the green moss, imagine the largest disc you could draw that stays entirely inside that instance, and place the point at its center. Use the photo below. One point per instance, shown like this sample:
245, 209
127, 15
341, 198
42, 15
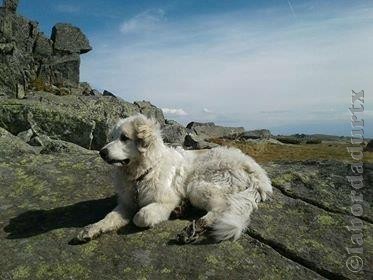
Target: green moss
326, 220
165, 270
21, 272
212, 260
311, 243
283, 179
73, 270
89, 248
127, 270
43, 271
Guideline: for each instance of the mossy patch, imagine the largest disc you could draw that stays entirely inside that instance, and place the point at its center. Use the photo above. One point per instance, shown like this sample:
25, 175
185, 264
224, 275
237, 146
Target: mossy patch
21, 272
326, 220
212, 260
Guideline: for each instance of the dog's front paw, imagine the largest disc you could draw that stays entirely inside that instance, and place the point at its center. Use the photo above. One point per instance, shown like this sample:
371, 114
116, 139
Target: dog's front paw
87, 234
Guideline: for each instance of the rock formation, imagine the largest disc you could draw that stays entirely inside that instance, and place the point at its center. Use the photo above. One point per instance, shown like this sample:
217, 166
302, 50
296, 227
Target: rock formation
30, 60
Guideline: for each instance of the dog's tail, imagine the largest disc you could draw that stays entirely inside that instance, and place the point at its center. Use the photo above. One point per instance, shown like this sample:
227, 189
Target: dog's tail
236, 217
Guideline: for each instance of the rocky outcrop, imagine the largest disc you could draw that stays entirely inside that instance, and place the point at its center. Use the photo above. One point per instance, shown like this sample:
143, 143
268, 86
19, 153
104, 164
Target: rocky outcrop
83, 120
29, 60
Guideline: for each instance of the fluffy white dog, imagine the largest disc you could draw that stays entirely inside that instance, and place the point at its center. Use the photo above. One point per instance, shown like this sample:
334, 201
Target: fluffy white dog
152, 179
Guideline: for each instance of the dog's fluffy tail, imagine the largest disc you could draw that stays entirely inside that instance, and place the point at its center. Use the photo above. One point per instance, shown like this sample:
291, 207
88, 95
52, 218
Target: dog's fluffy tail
235, 219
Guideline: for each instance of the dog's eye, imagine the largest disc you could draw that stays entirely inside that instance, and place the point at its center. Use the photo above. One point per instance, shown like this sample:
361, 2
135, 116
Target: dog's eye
123, 138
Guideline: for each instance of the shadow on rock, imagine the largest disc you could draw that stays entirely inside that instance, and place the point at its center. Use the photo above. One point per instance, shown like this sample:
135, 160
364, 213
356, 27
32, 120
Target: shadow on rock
78, 215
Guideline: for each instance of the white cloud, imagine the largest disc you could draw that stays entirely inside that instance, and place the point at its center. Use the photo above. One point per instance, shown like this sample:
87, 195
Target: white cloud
145, 21
175, 112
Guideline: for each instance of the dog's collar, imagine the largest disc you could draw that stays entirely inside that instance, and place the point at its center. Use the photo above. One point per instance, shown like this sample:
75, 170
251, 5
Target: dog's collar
142, 176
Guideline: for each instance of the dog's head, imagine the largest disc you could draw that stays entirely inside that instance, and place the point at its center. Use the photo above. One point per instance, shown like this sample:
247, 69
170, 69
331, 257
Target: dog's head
131, 138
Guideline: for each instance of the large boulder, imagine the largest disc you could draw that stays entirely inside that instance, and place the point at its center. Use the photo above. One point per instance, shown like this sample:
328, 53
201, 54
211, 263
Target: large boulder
69, 39
210, 130
174, 133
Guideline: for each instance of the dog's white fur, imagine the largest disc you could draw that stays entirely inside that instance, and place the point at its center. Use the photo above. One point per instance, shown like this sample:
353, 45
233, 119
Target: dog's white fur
223, 181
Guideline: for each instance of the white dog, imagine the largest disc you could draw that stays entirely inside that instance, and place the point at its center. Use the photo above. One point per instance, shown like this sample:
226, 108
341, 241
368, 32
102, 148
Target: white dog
152, 179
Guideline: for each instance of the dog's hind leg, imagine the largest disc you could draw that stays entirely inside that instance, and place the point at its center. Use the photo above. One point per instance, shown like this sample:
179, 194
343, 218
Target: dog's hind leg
112, 221
207, 196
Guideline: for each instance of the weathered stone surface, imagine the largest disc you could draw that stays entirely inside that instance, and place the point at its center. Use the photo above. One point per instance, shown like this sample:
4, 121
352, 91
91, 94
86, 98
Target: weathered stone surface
210, 130
174, 133
62, 70
46, 198
43, 46
151, 111
11, 145
309, 215
26, 135
83, 120
70, 39
323, 184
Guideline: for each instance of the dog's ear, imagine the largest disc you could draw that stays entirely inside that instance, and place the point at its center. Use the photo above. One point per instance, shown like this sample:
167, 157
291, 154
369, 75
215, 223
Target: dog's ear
147, 134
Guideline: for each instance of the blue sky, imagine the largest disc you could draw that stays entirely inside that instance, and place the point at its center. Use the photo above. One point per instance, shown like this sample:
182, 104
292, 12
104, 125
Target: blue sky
286, 65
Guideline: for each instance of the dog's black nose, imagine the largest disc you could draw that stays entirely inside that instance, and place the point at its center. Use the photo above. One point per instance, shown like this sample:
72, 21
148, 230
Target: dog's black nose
104, 153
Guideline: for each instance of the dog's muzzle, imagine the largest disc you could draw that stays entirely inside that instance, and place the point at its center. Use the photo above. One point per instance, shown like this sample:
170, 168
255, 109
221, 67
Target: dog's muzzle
104, 153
